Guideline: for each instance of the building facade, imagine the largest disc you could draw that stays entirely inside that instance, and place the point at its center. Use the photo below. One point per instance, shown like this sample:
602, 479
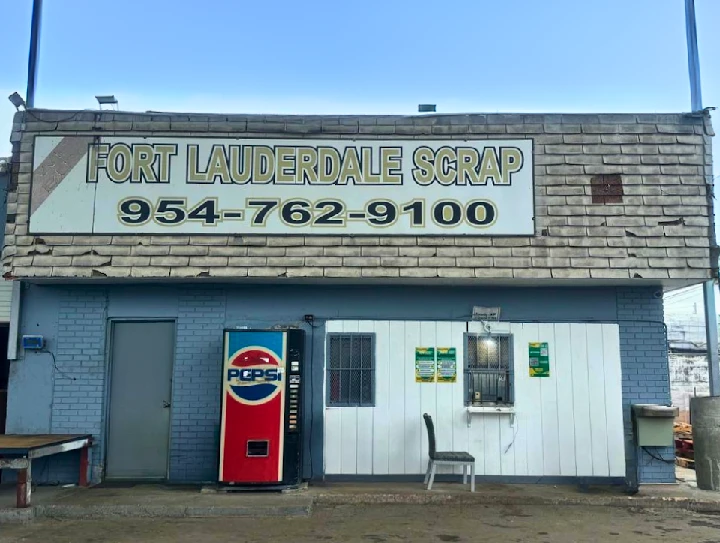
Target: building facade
410, 233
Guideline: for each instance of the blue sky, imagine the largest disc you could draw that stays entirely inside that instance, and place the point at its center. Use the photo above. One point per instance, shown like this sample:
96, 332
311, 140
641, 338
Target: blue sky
375, 56
322, 56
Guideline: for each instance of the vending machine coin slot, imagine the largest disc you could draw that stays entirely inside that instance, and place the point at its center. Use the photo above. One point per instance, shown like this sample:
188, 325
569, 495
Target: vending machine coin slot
258, 448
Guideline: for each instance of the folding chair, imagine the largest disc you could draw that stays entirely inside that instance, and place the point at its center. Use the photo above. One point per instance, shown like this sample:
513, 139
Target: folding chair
463, 459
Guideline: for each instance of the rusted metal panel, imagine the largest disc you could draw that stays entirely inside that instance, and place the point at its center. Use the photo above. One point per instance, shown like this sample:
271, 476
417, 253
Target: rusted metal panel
606, 189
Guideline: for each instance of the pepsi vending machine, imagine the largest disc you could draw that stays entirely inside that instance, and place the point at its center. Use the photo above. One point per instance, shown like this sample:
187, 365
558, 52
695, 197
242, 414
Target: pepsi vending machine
260, 435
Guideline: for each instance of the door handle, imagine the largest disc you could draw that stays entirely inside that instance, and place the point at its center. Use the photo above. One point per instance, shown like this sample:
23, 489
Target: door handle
166, 404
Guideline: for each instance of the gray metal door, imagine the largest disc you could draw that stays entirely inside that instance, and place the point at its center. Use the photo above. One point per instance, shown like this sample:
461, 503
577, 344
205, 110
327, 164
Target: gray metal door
139, 410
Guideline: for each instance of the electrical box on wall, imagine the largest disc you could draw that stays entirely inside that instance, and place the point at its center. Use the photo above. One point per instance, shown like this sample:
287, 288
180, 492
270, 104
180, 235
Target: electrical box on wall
654, 425
33, 343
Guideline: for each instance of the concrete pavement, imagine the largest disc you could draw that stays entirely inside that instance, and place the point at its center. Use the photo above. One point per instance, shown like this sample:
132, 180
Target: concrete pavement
174, 501
395, 523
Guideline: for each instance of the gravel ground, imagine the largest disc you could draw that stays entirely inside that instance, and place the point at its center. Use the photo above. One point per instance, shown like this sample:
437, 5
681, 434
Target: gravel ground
392, 523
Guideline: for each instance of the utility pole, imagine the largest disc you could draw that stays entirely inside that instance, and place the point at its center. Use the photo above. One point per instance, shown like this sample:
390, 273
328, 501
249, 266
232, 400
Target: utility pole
33, 56
711, 330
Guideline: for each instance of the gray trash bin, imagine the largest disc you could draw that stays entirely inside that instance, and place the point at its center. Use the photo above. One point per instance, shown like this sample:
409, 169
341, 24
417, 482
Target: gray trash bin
706, 439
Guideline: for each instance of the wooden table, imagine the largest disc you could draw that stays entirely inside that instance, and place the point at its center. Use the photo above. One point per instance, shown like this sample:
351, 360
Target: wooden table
18, 451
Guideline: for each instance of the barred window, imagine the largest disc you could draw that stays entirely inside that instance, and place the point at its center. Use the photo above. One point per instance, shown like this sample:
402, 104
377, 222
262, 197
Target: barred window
350, 370
488, 369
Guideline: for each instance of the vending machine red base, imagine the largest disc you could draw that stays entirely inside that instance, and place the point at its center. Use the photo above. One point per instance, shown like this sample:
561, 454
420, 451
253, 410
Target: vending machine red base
260, 428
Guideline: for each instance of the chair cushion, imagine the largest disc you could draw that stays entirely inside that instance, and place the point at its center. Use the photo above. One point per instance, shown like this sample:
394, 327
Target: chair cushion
454, 457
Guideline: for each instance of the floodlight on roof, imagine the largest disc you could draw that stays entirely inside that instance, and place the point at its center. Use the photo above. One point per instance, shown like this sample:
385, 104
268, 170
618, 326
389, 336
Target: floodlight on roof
107, 100
16, 100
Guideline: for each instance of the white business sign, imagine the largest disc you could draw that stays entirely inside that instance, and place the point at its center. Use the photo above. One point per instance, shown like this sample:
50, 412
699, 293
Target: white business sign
132, 185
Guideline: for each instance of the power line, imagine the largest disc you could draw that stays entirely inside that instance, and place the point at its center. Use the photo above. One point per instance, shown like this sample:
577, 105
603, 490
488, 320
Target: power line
695, 289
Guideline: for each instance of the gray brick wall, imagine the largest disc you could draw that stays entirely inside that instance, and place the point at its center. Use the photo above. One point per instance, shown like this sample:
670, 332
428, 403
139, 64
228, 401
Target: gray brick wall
194, 430
644, 357
79, 379
660, 230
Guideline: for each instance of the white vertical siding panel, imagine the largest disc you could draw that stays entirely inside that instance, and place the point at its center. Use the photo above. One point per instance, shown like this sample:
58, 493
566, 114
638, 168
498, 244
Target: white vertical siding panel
476, 442
583, 438
348, 436
348, 423
415, 436
491, 449
332, 422
334, 326
561, 365
333, 440
499, 434
398, 386
523, 410
365, 430
534, 424
365, 442
351, 327
428, 399
596, 383
502, 328
444, 395
459, 413
475, 327
613, 400
549, 395
567, 424
476, 431
381, 413
507, 447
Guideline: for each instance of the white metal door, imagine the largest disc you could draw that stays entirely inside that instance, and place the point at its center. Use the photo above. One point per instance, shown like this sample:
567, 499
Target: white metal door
139, 410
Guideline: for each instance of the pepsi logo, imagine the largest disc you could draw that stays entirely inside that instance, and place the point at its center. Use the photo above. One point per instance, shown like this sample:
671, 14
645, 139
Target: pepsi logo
255, 375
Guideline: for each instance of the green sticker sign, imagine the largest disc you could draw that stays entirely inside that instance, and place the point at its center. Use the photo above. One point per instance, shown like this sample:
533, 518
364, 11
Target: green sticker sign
539, 360
446, 365
425, 364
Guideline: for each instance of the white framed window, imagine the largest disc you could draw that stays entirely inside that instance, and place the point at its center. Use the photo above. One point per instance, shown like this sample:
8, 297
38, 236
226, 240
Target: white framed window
488, 369
350, 370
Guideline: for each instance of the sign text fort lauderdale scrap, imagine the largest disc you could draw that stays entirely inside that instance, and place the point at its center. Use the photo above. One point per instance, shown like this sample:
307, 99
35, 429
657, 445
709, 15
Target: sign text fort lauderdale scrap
136, 185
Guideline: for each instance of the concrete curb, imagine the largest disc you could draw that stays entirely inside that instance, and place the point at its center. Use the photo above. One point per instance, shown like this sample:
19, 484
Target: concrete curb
16, 515
97, 512
649, 502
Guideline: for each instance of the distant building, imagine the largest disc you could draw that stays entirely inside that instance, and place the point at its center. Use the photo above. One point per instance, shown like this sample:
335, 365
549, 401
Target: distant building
687, 353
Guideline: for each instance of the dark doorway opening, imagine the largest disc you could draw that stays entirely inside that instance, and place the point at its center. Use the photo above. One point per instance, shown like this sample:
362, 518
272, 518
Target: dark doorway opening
4, 374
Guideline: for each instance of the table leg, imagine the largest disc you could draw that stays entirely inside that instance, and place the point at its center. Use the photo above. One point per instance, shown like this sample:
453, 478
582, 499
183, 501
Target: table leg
83, 480
24, 486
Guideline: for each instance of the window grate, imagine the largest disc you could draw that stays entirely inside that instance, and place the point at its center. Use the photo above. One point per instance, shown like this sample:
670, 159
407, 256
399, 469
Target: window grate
351, 370
488, 369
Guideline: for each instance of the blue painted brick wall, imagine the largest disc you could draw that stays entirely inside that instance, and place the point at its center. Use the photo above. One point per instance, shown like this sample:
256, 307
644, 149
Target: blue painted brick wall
644, 356
195, 436
78, 381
